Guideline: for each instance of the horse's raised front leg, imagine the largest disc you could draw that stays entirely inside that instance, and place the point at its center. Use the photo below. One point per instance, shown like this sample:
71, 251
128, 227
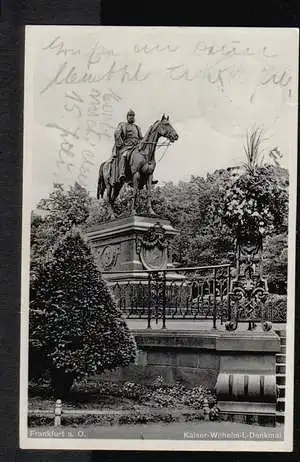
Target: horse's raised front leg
149, 196
135, 181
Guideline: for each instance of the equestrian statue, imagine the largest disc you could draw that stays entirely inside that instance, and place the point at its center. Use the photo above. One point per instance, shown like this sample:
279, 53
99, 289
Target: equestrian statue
133, 159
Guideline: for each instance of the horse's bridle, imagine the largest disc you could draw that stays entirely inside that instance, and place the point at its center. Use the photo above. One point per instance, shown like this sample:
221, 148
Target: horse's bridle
159, 146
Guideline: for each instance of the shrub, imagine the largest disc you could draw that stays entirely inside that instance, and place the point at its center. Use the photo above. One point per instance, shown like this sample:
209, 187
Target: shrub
74, 320
277, 305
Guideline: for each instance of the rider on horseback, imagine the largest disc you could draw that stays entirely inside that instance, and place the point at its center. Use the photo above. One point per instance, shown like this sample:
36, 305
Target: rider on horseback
127, 136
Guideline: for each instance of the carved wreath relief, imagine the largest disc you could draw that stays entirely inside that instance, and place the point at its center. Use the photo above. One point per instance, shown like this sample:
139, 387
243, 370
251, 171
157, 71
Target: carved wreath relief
108, 256
152, 248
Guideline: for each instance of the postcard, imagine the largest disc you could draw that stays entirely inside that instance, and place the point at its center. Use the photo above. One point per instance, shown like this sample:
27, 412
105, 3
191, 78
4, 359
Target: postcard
158, 238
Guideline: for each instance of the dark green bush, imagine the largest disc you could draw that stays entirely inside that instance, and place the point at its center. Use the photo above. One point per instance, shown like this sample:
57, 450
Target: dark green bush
74, 321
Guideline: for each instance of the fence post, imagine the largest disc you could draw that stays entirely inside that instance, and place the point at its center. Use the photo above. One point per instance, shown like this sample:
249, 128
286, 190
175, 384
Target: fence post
228, 294
215, 300
57, 413
206, 409
149, 301
164, 302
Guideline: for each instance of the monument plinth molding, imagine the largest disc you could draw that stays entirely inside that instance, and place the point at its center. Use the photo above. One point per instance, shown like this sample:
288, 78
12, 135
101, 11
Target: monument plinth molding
125, 248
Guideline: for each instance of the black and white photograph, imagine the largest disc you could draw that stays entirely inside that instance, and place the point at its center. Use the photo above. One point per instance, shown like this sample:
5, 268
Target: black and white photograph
158, 238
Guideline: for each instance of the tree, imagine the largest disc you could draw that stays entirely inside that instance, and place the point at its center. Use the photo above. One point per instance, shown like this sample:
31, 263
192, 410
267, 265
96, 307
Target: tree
275, 262
256, 202
75, 325
66, 208
54, 217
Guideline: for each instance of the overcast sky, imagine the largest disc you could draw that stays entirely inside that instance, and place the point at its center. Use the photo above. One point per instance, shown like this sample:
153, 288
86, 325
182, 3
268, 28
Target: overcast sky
213, 83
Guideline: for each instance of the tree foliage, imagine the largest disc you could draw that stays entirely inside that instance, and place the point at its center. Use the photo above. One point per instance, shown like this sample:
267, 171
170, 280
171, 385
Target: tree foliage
257, 203
67, 291
210, 211
54, 217
74, 322
275, 262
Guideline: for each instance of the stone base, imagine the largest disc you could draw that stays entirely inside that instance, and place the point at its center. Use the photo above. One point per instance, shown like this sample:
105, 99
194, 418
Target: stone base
132, 244
246, 385
248, 413
239, 366
141, 277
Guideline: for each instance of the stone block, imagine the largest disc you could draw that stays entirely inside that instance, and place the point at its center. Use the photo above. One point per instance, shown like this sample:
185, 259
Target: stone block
201, 359
245, 408
259, 363
280, 368
165, 340
192, 377
161, 358
281, 379
280, 358
248, 342
141, 358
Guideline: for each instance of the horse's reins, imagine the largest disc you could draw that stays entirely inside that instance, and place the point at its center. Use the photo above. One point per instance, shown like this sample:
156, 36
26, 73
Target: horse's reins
159, 146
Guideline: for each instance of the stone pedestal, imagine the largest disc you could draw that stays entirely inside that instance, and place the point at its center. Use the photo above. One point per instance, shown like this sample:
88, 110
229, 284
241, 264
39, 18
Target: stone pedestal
241, 366
124, 248
246, 384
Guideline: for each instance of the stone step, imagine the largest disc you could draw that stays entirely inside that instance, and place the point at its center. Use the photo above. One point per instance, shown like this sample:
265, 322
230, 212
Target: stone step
281, 391
281, 332
280, 416
280, 405
280, 358
280, 369
280, 379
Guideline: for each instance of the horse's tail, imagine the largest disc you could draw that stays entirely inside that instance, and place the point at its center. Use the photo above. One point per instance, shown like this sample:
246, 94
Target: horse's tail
101, 183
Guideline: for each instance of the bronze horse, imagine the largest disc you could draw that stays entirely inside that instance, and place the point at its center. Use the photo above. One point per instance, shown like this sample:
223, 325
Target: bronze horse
141, 164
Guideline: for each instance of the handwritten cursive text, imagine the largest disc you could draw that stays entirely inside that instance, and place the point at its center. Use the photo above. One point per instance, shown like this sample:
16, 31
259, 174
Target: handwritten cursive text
70, 75
98, 53
147, 49
234, 48
58, 45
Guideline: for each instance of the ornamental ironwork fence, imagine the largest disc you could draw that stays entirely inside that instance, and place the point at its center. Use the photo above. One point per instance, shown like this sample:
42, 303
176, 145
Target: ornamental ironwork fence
181, 293
191, 293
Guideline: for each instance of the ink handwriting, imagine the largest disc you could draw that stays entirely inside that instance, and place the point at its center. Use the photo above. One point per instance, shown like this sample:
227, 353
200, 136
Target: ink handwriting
98, 52
99, 112
70, 107
233, 48
66, 147
221, 75
147, 49
58, 45
67, 75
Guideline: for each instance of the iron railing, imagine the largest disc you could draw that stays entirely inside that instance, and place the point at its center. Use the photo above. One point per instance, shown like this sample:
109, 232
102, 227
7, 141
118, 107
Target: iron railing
192, 293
